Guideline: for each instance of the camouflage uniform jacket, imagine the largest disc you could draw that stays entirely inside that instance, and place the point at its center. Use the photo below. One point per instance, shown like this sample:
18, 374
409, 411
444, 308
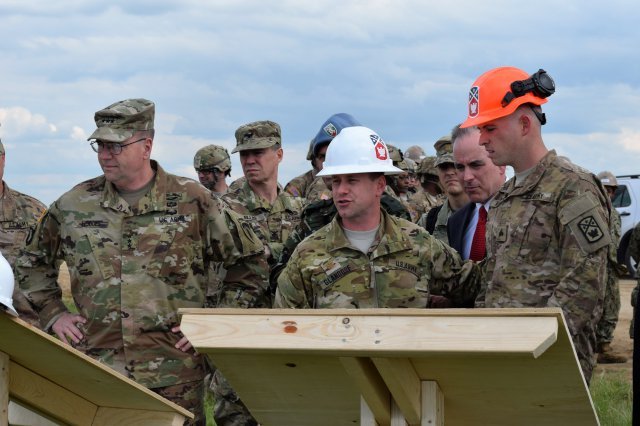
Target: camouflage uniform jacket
299, 186
422, 202
272, 222
318, 191
547, 245
403, 266
131, 269
18, 220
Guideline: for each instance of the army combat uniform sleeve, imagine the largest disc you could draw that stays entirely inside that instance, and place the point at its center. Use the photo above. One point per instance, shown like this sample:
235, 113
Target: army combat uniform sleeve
233, 242
37, 271
292, 292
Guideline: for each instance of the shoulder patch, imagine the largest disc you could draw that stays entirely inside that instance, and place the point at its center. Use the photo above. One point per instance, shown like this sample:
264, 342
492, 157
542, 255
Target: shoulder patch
590, 229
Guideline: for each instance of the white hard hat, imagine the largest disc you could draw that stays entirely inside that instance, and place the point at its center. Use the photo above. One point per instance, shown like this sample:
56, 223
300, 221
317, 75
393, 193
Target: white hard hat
6, 286
357, 149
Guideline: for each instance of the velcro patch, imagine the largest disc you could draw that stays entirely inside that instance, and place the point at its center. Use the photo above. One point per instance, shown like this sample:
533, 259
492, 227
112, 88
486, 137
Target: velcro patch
590, 229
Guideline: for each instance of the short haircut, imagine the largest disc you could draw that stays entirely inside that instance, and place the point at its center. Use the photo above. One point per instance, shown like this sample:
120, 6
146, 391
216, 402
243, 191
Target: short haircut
458, 132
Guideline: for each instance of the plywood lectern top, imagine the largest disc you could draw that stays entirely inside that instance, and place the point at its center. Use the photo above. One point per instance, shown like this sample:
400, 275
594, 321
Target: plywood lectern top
60, 382
311, 367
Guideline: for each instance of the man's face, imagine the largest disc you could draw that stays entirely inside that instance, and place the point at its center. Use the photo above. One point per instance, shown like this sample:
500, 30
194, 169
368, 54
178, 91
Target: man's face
209, 178
124, 170
480, 177
403, 182
500, 139
449, 179
356, 196
260, 165
318, 161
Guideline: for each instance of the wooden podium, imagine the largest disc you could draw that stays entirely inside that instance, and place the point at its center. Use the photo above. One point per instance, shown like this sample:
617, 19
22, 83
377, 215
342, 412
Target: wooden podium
397, 367
57, 382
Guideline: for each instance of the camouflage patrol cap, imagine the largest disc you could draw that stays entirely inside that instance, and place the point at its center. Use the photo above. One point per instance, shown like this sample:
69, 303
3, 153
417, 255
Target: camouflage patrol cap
212, 157
121, 120
257, 135
444, 150
428, 166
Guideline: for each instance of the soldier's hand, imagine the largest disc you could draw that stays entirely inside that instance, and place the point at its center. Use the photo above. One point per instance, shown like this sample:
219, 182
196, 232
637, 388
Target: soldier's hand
66, 329
183, 344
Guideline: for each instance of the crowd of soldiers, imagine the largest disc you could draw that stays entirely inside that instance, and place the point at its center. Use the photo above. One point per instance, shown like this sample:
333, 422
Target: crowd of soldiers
366, 227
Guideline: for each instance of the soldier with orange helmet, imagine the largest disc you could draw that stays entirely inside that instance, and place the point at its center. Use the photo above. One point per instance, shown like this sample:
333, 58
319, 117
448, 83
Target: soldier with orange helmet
547, 231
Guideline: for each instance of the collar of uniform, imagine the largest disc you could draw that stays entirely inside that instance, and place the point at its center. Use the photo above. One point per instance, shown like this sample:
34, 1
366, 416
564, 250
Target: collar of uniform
154, 200
8, 204
389, 238
531, 181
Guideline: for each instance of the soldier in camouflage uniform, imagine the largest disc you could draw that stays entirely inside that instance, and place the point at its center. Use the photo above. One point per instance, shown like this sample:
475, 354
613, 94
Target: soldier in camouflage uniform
260, 201
273, 214
428, 189
611, 308
138, 241
366, 258
213, 165
404, 189
435, 220
547, 231
308, 186
19, 214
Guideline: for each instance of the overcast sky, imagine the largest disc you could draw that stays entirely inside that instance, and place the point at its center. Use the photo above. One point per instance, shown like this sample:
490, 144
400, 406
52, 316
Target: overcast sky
401, 67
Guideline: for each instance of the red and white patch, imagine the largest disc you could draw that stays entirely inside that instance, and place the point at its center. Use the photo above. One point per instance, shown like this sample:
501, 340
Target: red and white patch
381, 151
474, 101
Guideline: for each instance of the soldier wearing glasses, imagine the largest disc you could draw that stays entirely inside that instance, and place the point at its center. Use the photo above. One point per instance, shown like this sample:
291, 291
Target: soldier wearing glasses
138, 242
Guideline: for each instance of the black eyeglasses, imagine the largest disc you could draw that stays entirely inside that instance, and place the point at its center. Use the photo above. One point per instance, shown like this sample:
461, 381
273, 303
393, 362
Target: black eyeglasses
114, 148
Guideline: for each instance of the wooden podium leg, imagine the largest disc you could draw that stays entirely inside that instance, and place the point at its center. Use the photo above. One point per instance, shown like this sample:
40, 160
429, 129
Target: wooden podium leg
4, 389
432, 404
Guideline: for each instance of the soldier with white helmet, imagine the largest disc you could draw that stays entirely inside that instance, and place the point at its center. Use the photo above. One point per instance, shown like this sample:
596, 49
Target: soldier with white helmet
611, 307
366, 258
213, 165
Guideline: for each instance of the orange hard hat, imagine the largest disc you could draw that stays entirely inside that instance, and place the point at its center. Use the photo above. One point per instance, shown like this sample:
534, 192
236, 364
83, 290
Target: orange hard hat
498, 92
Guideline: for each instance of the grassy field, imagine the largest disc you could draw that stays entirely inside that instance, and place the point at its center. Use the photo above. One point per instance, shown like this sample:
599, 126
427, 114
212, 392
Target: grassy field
612, 397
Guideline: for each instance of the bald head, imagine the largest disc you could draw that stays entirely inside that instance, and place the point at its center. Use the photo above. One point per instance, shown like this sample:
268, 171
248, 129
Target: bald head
481, 178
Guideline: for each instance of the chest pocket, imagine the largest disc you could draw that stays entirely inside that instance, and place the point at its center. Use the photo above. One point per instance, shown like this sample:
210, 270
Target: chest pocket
525, 234
402, 284
169, 253
341, 284
92, 253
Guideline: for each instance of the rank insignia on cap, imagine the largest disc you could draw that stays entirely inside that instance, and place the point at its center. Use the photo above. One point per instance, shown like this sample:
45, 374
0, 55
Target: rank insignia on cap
331, 130
381, 151
474, 101
590, 229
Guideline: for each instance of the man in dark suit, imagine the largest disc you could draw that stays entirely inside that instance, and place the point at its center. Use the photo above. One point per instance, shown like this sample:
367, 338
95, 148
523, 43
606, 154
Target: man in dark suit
481, 181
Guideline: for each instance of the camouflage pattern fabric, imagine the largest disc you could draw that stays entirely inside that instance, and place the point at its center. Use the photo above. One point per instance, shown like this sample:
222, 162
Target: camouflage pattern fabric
318, 191
634, 251
121, 120
272, 222
189, 396
421, 202
132, 268
402, 268
228, 409
299, 185
18, 221
237, 184
611, 306
440, 229
547, 245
